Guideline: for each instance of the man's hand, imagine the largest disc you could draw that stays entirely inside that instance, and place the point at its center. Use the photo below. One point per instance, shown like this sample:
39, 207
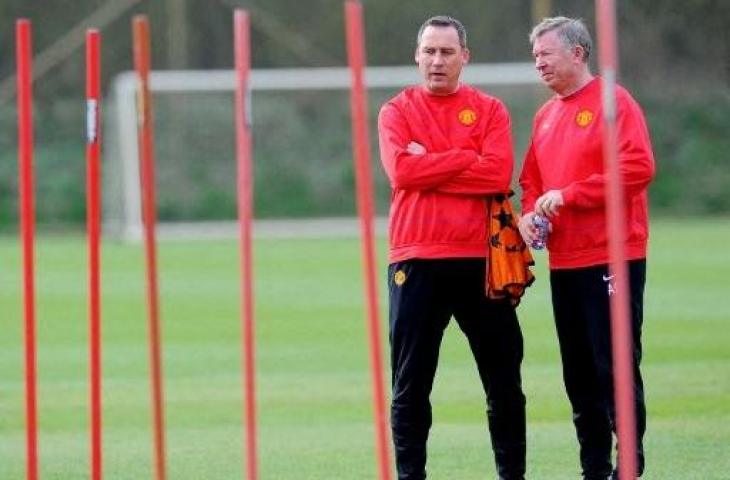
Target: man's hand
415, 148
527, 228
549, 203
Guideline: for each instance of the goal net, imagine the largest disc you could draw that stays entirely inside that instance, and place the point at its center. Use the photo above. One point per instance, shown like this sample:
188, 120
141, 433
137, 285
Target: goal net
302, 155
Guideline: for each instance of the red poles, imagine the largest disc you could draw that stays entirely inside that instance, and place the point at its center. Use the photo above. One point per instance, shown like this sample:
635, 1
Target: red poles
141, 37
363, 175
620, 314
27, 233
242, 60
93, 222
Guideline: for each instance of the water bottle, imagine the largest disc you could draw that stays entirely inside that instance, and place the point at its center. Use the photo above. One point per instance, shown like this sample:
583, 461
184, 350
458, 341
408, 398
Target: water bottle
542, 225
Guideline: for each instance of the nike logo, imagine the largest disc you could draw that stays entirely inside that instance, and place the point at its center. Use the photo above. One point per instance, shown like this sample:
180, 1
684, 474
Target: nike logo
607, 278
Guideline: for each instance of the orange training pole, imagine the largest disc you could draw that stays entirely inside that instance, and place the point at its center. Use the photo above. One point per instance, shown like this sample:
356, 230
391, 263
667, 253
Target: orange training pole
141, 31
93, 221
620, 314
361, 151
242, 54
27, 234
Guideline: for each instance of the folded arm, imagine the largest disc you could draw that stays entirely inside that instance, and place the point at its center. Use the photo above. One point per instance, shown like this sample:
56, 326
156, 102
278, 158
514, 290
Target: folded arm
410, 168
492, 173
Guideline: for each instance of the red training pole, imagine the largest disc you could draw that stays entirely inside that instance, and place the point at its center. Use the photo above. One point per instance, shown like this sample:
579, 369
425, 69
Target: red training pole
27, 233
141, 35
93, 222
615, 210
363, 175
242, 60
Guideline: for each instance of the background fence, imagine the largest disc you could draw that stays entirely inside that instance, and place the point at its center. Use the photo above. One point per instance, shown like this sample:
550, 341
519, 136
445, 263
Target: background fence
679, 71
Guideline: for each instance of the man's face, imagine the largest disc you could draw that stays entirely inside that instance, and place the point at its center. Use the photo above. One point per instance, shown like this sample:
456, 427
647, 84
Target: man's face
558, 66
440, 58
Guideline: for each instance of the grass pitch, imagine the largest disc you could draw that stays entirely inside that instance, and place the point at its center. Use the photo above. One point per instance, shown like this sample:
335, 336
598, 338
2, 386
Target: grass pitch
313, 381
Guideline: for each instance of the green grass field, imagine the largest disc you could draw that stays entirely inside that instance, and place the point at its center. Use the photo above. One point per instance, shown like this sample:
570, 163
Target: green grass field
313, 380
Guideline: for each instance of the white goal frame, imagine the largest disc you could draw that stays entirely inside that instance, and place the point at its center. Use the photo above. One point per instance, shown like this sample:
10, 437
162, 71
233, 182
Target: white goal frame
327, 78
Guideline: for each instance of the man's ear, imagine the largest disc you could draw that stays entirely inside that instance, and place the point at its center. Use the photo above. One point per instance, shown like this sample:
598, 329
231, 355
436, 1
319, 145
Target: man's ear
465, 56
579, 53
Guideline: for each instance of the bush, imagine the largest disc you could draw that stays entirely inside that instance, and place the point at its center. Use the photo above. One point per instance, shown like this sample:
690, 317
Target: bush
303, 161
692, 149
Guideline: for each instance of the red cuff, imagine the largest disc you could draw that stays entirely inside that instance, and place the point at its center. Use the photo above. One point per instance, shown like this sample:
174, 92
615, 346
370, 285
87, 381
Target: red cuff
568, 196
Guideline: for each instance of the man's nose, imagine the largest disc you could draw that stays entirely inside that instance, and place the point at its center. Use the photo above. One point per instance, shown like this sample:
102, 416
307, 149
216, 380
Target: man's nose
438, 59
539, 63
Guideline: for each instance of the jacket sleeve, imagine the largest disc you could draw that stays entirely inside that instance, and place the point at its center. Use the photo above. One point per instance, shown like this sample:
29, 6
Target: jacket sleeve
415, 172
530, 181
493, 172
635, 157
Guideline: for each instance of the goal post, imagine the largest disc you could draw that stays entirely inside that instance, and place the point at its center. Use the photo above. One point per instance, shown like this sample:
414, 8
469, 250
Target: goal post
122, 206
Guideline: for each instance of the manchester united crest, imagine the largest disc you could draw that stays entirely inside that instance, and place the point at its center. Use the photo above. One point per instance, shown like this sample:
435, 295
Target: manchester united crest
467, 117
584, 118
399, 278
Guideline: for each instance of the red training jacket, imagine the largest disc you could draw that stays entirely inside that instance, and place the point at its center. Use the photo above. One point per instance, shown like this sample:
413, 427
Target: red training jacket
566, 153
438, 207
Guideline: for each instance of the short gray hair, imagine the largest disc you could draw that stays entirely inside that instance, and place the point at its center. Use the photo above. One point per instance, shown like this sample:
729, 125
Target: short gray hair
572, 32
443, 21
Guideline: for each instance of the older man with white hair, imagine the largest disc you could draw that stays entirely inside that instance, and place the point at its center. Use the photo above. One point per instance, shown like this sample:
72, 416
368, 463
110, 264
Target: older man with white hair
563, 180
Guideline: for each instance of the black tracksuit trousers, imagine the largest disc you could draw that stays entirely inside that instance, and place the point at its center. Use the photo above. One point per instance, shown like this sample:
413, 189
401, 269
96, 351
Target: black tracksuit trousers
424, 294
583, 321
